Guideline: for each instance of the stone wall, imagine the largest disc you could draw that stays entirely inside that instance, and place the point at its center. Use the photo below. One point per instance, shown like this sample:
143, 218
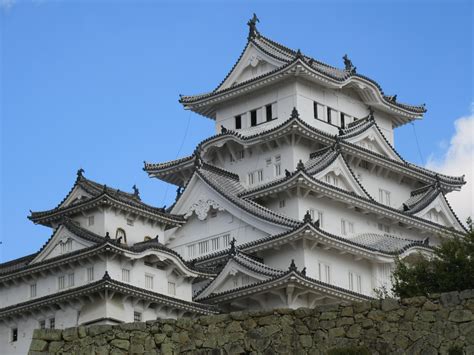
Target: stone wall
438, 324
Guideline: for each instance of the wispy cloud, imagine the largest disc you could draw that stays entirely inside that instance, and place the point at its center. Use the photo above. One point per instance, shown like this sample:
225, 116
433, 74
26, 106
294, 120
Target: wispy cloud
6, 5
458, 160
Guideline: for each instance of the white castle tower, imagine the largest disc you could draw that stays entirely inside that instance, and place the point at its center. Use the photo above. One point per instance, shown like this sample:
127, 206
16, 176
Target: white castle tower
303, 174
299, 199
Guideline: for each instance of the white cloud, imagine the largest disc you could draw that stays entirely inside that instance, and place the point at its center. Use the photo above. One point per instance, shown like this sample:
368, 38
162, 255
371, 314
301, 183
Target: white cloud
458, 160
7, 4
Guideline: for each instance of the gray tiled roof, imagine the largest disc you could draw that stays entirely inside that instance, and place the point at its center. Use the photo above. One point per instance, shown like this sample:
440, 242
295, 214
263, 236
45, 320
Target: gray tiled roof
231, 187
385, 243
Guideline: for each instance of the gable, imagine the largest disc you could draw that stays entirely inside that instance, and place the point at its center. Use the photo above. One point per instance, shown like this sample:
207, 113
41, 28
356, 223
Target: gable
251, 64
61, 242
77, 194
339, 175
232, 276
439, 211
372, 139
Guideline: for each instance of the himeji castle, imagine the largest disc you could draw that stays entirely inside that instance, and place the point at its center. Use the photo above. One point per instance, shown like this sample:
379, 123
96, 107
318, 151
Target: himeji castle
299, 199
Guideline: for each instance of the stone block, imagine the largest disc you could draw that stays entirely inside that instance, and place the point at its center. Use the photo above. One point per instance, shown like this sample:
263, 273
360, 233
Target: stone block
466, 294
460, 316
336, 332
47, 334
306, 341
99, 329
389, 304
450, 299
38, 345
121, 344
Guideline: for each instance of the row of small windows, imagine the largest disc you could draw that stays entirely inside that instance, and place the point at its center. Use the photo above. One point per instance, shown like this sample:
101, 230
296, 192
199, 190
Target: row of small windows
331, 116
206, 246
91, 221
354, 279
256, 176
267, 110
149, 282
64, 281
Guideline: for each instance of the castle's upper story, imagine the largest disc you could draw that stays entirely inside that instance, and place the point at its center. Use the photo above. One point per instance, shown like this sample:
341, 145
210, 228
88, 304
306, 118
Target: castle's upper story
327, 97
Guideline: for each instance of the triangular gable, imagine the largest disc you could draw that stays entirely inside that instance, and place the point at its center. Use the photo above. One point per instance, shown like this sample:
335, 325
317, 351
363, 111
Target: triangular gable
233, 275
77, 194
198, 191
439, 211
339, 175
373, 139
62, 241
252, 63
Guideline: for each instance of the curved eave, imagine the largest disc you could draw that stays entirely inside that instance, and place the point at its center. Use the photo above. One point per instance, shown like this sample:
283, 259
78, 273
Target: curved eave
289, 277
350, 198
102, 285
176, 172
371, 93
47, 217
296, 125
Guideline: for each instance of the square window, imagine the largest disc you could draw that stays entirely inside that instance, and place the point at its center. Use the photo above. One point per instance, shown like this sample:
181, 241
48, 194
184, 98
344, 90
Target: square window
268, 161
129, 221
137, 316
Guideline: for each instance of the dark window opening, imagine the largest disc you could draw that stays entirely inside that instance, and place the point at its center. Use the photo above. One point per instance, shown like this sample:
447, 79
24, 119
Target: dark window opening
315, 109
329, 115
253, 118
343, 120
15, 334
238, 122
268, 109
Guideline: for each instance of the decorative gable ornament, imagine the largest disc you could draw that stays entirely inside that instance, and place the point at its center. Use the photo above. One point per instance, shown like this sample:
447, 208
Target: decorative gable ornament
201, 208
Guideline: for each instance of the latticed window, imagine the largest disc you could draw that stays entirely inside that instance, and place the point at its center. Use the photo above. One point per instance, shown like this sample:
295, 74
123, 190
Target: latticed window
33, 290
90, 220
125, 275
52, 323
215, 243
203, 247
90, 273
171, 288
226, 240
61, 282
137, 316
70, 280
191, 250
149, 282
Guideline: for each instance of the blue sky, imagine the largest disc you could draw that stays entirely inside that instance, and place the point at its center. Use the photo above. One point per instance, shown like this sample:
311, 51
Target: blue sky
95, 84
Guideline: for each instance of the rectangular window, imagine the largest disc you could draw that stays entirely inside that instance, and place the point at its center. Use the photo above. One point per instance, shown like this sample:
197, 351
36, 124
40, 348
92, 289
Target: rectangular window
364, 164
250, 178
203, 247
14, 334
324, 272
268, 161
149, 282
171, 288
277, 169
347, 227
90, 220
70, 280
351, 281
42, 324
129, 222
277, 158
125, 275
69, 245
343, 120
215, 243
238, 122
315, 110
192, 250
137, 316
282, 203
331, 179
355, 282
359, 283
260, 175
90, 274
61, 282
213, 213
253, 118
33, 290
320, 219
268, 110
384, 197
52, 323
231, 157
384, 228
329, 115
240, 154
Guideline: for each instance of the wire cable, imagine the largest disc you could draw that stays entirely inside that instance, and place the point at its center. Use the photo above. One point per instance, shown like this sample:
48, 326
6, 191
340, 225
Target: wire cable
418, 144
